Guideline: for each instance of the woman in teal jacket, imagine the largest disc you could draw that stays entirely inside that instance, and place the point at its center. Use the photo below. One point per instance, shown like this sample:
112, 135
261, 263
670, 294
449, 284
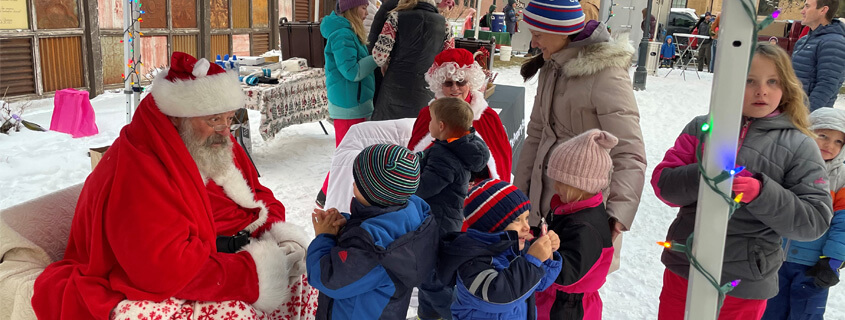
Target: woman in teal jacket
349, 70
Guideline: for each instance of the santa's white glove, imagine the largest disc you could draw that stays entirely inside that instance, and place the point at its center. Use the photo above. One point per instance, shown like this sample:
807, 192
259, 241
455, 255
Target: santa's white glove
294, 242
271, 265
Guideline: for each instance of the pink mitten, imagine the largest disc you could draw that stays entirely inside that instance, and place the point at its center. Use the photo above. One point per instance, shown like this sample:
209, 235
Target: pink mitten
748, 186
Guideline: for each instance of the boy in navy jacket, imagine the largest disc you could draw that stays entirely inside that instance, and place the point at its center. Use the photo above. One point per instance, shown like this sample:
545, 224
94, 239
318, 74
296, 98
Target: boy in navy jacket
447, 167
495, 269
366, 263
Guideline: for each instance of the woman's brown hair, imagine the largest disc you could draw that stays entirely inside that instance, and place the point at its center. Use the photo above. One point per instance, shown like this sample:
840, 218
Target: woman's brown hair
531, 66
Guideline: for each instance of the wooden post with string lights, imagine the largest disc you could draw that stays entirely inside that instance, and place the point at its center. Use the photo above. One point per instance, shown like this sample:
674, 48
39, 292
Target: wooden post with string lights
131, 57
713, 212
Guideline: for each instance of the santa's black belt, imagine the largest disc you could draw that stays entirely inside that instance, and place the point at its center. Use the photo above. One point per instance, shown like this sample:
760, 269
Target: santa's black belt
231, 244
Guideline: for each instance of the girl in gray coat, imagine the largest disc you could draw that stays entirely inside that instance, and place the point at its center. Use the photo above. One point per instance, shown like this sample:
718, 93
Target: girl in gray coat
784, 190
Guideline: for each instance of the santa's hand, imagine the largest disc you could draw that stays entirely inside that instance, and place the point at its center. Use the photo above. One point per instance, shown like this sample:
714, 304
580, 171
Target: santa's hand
271, 266
293, 242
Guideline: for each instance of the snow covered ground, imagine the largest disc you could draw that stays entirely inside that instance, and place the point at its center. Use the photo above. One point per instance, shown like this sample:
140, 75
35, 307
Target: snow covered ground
294, 165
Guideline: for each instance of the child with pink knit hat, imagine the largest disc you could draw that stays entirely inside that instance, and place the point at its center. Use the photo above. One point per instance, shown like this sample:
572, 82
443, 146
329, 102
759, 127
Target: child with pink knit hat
581, 168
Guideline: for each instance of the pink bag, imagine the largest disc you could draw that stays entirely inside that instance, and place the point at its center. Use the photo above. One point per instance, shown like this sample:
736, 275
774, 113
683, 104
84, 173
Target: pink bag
73, 114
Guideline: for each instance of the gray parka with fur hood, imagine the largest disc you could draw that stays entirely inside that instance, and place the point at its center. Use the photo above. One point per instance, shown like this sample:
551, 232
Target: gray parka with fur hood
586, 86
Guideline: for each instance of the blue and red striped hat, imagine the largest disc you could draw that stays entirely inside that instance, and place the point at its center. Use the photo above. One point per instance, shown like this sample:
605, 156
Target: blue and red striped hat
386, 174
492, 205
563, 17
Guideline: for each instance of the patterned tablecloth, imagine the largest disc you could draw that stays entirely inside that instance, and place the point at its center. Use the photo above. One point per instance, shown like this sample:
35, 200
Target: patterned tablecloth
298, 98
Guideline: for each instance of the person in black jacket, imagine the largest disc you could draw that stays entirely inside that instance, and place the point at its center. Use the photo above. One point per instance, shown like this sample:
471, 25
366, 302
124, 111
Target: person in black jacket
444, 183
413, 33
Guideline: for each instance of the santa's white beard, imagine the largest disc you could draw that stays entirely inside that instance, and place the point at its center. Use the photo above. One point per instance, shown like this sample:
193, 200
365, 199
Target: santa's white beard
211, 161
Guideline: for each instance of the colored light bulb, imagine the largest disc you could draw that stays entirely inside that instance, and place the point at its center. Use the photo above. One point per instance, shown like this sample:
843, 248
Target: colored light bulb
735, 282
738, 198
665, 244
705, 127
736, 170
776, 13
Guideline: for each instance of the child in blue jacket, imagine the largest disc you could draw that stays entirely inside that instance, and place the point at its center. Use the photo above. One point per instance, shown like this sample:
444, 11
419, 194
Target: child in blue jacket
387, 244
812, 267
667, 52
496, 271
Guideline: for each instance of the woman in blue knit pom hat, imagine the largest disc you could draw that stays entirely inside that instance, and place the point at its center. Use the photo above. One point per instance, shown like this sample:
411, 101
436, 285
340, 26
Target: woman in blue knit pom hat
494, 268
583, 84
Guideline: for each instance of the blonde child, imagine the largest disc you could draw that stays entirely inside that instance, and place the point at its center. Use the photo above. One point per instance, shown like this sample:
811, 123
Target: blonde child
581, 168
447, 167
784, 187
811, 268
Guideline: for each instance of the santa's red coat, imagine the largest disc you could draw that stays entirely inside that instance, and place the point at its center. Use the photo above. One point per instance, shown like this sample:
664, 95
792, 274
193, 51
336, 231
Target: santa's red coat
229, 217
143, 230
486, 123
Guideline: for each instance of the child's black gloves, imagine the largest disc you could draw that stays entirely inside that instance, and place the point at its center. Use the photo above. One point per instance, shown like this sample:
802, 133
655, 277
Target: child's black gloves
825, 273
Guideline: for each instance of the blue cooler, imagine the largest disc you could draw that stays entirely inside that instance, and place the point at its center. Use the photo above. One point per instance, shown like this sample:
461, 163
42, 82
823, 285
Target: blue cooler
498, 22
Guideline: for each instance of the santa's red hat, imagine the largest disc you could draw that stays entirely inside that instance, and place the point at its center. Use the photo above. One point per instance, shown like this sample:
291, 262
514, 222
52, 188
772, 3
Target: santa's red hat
195, 88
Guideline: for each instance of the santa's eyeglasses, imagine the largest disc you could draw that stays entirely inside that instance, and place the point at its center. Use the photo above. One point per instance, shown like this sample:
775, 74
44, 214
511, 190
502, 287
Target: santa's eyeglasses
450, 83
221, 121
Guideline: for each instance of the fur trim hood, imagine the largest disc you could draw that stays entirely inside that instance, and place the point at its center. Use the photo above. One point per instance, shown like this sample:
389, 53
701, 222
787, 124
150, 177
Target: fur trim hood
594, 54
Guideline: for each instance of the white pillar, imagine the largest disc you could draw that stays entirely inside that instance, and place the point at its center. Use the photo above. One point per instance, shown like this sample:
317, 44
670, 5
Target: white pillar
735, 45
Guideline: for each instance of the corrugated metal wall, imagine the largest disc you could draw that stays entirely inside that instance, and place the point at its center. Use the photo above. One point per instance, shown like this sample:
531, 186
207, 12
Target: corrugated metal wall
219, 45
260, 14
16, 69
300, 10
186, 44
260, 43
61, 63
240, 14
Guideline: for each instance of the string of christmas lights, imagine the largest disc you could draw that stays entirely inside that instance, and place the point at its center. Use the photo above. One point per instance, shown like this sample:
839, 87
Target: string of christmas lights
134, 76
712, 182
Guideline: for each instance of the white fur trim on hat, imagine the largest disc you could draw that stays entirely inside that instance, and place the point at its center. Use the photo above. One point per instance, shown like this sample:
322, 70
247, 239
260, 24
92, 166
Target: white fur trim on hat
473, 74
271, 265
234, 185
203, 96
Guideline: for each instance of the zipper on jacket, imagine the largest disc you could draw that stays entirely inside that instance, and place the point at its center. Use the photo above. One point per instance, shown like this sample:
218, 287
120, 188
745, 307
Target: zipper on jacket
786, 249
359, 92
742, 133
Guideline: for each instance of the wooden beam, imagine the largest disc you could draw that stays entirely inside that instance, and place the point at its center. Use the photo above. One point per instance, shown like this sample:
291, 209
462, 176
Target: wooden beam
204, 9
94, 56
274, 24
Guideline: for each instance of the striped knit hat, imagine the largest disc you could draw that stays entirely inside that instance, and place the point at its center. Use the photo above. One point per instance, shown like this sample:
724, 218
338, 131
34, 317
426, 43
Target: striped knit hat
563, 17
492, 205
386, 174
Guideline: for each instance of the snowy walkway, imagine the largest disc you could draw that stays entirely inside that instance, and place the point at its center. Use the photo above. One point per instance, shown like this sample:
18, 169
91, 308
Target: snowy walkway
294, 165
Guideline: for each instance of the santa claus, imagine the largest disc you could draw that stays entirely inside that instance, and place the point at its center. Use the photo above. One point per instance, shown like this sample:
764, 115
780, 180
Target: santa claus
173, 222
456, 74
